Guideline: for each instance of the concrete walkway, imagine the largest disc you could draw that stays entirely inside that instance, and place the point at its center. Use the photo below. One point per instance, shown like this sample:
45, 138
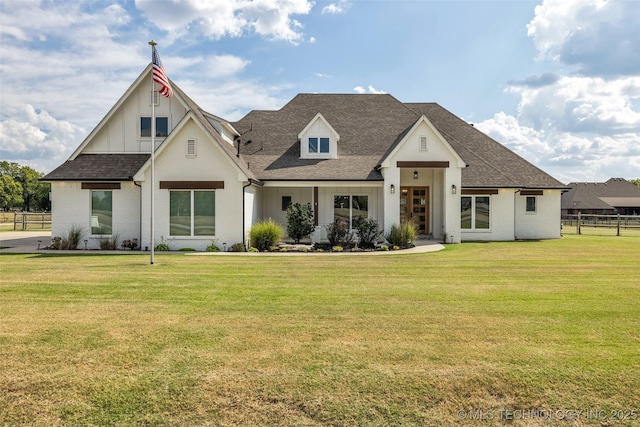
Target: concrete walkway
30, 241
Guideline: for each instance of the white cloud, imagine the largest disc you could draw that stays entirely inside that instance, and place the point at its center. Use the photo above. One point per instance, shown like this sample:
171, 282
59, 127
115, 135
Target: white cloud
369, 89
38, 138
582, 125
600, 37
228, 18
335, 8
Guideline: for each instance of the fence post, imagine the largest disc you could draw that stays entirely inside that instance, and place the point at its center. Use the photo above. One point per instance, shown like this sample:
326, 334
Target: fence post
618, 225
578, 224
24, 221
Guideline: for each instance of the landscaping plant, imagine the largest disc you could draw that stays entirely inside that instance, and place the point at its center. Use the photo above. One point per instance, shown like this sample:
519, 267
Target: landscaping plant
299, 221
265, 234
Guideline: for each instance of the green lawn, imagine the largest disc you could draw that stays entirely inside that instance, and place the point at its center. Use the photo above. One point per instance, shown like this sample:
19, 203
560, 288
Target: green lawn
512, 333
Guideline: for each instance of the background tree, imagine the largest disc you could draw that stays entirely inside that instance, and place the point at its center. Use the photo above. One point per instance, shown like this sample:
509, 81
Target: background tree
635, 181
299, 221
10, 193
34, 194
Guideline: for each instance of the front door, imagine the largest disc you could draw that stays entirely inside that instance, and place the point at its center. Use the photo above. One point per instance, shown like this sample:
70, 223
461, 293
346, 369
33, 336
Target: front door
414, 207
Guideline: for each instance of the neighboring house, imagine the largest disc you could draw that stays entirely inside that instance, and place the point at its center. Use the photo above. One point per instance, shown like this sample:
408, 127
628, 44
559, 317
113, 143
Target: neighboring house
616, 196
349, 156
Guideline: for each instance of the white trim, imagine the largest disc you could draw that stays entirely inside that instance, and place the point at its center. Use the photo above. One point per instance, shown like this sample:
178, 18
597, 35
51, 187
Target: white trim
143, 77
386, 162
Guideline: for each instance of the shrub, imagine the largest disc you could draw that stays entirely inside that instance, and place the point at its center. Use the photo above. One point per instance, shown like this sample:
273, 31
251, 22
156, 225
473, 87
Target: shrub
187, 250
162, 246
109, 243
338, 233
337, 249
368, 232
130, 244
238, 247
299, 221
402, 235
265, 234
74, 236
252, 249
213, 248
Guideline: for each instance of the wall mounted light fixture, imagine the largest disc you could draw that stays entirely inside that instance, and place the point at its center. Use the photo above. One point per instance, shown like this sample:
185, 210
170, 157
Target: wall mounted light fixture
454, 189
415, 174
392, 188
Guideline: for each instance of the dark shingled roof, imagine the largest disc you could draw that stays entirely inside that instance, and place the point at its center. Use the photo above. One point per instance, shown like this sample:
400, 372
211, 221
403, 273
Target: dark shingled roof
489, 163
615, 193
98, 167
370, 126
367, 125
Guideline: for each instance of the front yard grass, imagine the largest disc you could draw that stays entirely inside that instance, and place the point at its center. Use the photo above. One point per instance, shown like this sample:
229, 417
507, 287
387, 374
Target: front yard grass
466, 336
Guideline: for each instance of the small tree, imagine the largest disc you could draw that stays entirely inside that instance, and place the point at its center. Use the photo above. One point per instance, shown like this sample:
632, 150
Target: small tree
299, 221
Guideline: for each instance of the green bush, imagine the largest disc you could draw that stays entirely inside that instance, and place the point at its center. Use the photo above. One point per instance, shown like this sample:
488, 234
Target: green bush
368, 232
109, 243
402, 235
238, 247
213, 248
338, 233
162, 247
265, 234
187, 250
299, 221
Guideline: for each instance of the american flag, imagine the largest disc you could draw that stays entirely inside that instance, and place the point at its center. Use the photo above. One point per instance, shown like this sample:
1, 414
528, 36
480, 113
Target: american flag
159, 75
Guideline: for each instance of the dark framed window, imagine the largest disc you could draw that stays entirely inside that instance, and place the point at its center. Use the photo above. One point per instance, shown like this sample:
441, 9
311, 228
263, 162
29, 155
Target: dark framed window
349, 208
192, 213
101, 212
286, 201
162, 127
531, 204
475, 212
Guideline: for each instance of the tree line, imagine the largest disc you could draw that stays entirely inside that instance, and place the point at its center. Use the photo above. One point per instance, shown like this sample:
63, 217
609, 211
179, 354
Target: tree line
21, 188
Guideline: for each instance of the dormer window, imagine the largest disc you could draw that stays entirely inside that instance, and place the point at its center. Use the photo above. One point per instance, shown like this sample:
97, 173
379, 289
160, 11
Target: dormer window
318, 140
318, 145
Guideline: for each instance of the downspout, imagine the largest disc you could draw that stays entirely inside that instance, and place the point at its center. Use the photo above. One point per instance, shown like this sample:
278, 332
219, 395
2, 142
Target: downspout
514, 214
139, 211
244, 236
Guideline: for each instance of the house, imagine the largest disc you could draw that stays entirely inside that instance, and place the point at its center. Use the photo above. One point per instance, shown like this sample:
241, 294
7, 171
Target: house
616, 196
348, 155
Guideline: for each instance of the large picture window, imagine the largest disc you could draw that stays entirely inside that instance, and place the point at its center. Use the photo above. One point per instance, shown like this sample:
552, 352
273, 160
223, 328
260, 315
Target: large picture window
101, 212
350, 208
475, 212
162, 127
192, 213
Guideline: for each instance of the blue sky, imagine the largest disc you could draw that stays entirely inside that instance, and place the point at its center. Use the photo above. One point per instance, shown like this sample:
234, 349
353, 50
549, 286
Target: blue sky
557, 81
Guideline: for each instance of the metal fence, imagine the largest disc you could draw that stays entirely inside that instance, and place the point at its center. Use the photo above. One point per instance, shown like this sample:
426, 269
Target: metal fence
615, 225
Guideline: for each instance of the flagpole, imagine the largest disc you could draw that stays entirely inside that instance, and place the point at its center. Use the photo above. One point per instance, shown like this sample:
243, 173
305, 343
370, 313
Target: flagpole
153, 155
